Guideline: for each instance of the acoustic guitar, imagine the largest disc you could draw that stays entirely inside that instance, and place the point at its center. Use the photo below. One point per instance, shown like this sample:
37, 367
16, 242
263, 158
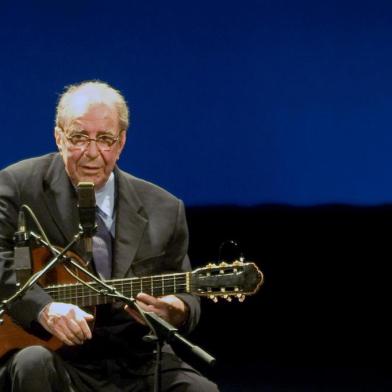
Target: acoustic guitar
238, 279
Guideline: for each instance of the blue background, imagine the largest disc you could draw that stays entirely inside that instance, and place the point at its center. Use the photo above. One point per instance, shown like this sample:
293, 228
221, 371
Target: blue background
233, 102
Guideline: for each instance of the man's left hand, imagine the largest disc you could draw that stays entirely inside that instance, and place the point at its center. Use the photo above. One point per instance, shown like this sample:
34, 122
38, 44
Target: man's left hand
169, 307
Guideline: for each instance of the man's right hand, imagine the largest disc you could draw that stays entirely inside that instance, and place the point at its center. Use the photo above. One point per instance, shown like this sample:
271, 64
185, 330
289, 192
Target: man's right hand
67, 322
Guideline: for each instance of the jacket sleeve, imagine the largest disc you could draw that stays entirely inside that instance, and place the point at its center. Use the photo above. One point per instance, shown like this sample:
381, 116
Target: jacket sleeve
26, 309
177, 251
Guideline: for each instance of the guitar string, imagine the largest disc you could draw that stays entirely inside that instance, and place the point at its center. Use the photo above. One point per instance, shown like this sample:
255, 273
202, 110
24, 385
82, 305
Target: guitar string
128, 287
76, 297
89, 296
142, 281
146, 283
164, 278
79, 291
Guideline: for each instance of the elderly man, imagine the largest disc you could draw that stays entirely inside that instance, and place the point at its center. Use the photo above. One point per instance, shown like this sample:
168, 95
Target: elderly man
147, 235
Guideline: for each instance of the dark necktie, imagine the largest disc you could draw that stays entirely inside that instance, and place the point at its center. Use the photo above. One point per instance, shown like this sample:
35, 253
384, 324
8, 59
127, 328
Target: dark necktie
102, 249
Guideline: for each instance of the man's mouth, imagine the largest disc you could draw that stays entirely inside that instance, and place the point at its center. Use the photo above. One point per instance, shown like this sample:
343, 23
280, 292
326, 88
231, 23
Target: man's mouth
90, 169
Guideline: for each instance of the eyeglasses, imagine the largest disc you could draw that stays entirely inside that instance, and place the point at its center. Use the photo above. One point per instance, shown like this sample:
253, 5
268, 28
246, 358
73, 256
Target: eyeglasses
82, 141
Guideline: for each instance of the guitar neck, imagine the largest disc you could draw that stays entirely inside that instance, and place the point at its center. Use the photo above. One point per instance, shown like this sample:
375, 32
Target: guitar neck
158, 285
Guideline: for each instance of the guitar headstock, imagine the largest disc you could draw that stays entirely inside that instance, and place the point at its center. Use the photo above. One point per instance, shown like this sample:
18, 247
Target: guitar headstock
237, 279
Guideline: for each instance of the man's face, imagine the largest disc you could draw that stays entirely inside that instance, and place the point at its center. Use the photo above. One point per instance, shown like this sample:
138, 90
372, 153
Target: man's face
91, 163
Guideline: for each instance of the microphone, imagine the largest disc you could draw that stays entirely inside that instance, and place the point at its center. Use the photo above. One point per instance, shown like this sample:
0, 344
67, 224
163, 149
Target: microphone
22, 252
86, 207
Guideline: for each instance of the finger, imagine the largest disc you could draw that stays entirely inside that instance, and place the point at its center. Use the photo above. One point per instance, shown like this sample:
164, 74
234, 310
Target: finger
82, 318
85, 328
143, 306
147, 299
135, 314
158, 310
62, 330
61, 336
71, 328
75, 329
48, 323
152, 304
73, 325
80, 313
149, 303
70, 334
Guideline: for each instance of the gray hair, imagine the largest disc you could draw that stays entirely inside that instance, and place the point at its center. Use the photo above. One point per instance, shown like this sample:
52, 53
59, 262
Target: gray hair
86, 94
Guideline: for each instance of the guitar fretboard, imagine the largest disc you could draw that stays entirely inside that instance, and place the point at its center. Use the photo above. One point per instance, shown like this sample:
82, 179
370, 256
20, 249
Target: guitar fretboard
81, 295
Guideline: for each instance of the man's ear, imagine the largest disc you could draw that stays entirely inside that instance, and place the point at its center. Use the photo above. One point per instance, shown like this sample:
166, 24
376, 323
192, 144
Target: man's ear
123, 139
57, 137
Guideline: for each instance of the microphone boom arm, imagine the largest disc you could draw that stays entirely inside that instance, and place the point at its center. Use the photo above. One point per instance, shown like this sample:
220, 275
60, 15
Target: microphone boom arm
60, 257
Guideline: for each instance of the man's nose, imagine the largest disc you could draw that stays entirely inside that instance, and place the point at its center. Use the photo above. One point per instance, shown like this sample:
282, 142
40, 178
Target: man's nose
92, 149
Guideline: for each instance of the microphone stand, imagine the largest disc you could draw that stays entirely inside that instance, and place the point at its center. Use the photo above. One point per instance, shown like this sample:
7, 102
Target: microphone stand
161, 330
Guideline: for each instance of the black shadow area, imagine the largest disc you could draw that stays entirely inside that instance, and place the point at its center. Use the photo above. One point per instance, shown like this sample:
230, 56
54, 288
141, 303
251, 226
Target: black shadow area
321, 320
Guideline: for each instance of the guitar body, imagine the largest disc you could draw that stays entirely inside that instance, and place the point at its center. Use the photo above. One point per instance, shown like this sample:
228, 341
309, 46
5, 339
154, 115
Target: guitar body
14, 337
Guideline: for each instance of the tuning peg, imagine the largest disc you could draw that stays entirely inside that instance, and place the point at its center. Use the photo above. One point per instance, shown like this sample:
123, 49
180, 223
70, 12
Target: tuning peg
227, 298
213, 298
223, 266
241, 297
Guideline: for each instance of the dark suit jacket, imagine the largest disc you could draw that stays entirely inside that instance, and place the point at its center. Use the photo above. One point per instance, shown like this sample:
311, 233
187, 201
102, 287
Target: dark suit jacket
150, 238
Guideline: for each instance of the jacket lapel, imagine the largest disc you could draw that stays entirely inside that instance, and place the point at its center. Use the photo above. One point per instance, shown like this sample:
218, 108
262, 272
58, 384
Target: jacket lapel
130, 225
61, 201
